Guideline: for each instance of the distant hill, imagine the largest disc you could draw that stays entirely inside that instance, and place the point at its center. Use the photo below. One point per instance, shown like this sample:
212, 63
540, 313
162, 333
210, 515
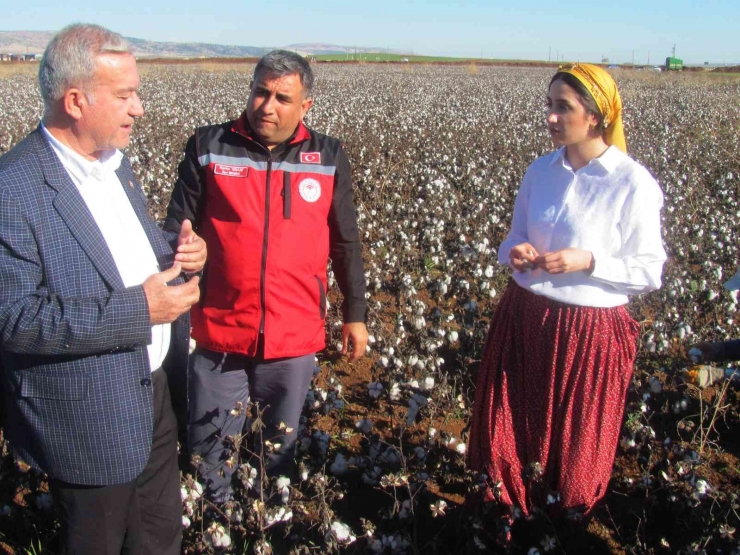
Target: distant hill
34, 42
150, 48
318, 48
24, 42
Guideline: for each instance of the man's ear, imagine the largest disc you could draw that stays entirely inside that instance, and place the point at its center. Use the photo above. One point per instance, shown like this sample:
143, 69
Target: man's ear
73, 101
305, 106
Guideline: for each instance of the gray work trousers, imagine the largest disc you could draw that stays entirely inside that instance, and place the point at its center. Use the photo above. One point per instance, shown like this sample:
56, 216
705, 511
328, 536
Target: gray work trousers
217, 383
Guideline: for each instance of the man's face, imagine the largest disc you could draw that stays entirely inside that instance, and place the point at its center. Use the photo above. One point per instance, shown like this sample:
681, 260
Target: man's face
275, 107
106, 123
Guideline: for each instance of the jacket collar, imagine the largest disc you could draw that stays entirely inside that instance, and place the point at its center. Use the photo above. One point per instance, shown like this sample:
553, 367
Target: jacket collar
72, 209
242, 127
79, 168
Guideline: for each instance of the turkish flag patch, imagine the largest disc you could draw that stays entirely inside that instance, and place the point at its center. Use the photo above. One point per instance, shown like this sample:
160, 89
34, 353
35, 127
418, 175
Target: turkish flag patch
231, 171
310, 157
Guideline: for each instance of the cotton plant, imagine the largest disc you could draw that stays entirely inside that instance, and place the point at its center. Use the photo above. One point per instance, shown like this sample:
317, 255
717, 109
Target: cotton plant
275, 515
438, 508
247, 475
282, 487
341, 533
217, 536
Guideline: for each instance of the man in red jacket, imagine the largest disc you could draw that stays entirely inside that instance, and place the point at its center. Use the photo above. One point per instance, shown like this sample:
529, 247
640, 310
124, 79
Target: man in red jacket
273, 200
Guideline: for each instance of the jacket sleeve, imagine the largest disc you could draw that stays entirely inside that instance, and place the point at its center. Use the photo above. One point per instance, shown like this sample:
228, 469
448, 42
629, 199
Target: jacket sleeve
730, 350
345, 248
186, 196
37, 321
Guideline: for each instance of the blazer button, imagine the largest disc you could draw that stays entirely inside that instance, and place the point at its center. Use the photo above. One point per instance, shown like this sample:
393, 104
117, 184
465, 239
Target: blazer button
146, 382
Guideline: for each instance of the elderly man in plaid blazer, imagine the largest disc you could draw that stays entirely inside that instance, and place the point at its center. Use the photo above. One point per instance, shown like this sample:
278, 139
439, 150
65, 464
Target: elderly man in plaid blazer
93, 307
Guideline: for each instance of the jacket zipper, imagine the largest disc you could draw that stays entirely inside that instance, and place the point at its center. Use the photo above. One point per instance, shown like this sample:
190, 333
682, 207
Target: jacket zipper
263, 266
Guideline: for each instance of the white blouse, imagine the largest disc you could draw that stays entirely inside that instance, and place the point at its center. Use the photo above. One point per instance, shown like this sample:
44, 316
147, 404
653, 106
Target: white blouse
610, 207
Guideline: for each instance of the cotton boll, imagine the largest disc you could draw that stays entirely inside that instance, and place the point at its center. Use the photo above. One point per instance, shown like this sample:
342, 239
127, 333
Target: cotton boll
342, 533
395, 392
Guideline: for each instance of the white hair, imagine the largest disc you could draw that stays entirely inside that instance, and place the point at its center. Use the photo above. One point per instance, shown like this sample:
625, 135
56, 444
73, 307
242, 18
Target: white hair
70, 60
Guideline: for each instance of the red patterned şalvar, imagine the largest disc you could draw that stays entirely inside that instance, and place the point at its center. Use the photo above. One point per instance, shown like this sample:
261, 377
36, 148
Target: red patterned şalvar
550, 395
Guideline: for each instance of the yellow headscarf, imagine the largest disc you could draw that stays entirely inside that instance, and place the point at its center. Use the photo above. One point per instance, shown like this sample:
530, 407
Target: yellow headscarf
604, 90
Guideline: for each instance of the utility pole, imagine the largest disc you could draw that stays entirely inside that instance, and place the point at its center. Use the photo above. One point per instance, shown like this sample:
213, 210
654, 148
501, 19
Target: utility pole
549, 53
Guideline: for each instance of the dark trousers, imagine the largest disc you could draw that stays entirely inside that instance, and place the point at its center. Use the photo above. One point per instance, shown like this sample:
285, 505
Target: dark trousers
217, 383
143, 516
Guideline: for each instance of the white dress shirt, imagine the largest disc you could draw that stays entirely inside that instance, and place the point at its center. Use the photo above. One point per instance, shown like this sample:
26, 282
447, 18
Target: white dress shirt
610, 207
111, 209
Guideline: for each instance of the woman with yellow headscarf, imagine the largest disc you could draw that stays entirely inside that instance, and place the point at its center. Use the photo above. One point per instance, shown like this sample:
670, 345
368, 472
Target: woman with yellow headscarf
561, 346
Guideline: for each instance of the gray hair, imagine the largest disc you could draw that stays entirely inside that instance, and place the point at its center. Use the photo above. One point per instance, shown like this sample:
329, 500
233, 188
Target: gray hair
70, 59
279, 63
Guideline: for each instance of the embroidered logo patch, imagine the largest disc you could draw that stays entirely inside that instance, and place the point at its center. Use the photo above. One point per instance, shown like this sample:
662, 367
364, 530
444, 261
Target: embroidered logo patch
310, 190
231, 171
310, 158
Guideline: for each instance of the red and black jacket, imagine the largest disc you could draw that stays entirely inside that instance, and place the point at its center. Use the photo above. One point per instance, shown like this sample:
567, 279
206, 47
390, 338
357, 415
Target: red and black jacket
271, 220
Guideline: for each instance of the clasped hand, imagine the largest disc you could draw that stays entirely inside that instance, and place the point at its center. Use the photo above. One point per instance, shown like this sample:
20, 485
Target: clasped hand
524, 257
167, 302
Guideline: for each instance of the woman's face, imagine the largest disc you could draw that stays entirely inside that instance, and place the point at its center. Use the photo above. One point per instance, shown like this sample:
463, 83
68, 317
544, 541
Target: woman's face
567, 119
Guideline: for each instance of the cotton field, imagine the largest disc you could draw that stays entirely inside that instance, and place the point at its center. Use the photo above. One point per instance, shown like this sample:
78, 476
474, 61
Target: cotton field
437, 155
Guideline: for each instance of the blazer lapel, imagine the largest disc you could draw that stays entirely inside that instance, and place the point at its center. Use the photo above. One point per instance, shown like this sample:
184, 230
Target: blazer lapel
74, 211
162, 249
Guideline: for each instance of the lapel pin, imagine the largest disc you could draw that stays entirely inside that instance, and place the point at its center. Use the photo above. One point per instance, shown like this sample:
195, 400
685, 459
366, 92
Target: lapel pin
131, 184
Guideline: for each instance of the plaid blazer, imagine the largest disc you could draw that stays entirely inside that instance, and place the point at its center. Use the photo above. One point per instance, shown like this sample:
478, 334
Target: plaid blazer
73, 338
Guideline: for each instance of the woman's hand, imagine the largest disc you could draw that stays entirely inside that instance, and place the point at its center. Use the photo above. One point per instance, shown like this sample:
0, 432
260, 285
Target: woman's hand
565, 260
522, 257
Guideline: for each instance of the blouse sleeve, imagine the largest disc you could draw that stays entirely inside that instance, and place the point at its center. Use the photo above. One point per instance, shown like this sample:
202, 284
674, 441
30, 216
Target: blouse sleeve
518, 232
638, 266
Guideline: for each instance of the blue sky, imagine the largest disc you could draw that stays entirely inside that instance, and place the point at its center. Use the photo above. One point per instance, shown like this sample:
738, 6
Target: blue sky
529, 29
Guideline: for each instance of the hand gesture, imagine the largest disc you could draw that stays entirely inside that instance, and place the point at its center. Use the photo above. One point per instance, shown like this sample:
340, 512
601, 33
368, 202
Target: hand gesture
565, 261
357, 332
522, 257
191, 249
167, 302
